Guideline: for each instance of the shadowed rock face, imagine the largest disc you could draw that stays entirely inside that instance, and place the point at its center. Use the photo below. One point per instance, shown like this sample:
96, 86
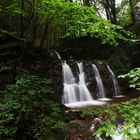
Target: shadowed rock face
84, 47
89, 51
132, 49
134, 28
133, 52
82, 129
39, 63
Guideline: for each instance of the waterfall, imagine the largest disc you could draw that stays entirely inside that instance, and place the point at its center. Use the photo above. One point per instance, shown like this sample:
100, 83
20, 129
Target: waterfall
83, 90
67, 74
58, 56
69, 91
117, 90
80, 67
74, 92
101, 91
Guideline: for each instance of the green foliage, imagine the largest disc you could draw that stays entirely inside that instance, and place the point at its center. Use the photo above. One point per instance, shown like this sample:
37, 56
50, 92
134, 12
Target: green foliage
124, 9
15, 9
131, 117
121, 63
4, 68
27, 104
67, 19
53, 123
125, 113
81, 20
133, 77
8, 35
12, 7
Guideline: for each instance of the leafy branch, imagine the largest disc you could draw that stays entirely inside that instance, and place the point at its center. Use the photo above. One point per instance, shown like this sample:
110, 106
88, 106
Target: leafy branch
134, 78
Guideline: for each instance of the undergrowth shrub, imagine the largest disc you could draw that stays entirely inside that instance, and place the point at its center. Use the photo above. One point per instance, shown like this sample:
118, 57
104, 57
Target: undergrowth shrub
111, 116
27, 110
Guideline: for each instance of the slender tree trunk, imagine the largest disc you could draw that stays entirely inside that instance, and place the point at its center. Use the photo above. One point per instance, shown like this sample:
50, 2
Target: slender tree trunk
97, 9
45, 33
21, 20
110, 8
35, 21
133, 14
113, 11
86, 2
107, 13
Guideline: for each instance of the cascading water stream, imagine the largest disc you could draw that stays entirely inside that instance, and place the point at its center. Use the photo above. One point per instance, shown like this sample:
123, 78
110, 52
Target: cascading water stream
84, 93
58, 56
117, 91
69, 92
76, 94
67, 73
101, 91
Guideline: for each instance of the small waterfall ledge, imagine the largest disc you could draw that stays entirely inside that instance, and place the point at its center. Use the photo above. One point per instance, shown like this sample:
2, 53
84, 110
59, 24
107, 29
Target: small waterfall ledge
117, 91
76, 93
100, 87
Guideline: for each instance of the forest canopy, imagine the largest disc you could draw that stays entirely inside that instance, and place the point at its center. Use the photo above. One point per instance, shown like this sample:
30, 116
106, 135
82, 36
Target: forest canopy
85, 33
57, 19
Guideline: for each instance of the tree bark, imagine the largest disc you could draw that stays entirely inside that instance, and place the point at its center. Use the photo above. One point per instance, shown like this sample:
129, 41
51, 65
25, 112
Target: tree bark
110, 9
21, 20
86, 2
45, 33
133, 13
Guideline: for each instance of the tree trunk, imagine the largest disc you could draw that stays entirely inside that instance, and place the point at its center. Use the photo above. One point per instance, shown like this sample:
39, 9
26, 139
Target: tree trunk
21, 20
36, 22
107, 12
86, 2
133, 13
113, 11
110, 9
45, 34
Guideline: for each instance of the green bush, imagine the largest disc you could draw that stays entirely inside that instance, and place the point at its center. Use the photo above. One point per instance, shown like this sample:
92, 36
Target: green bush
27, 111
126, 113
133, 77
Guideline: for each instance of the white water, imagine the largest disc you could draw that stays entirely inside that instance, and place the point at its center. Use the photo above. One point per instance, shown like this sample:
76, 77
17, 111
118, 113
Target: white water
85, 104
58, 56
117, 91
67, 74
101, 91
83, 90
74, 92
69, 91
